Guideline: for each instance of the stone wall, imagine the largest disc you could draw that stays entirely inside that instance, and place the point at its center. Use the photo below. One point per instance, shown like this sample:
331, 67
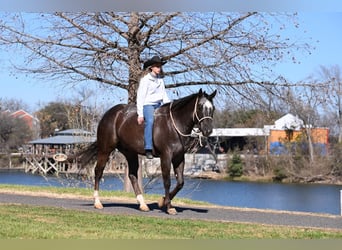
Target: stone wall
194, 164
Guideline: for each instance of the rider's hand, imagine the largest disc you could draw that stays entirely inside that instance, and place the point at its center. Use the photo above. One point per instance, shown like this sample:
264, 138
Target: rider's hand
140, 120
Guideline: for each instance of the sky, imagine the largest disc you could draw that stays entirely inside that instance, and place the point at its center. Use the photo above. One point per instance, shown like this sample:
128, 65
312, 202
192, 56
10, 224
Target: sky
324, 27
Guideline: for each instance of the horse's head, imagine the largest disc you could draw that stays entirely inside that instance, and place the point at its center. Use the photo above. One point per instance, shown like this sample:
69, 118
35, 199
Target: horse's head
204, 111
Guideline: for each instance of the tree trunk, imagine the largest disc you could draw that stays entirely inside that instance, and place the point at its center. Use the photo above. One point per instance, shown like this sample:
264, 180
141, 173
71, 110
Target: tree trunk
9, 160
133, 53
339, 123
310, 144
134, 68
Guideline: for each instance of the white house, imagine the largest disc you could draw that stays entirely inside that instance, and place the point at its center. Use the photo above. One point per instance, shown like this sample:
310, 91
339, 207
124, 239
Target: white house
288, 121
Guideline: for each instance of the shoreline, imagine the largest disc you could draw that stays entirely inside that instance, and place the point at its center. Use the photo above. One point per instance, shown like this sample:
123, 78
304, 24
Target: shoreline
208, 175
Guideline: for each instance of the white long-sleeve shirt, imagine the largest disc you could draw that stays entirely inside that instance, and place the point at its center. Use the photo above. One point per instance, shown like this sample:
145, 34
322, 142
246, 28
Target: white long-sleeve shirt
151, 91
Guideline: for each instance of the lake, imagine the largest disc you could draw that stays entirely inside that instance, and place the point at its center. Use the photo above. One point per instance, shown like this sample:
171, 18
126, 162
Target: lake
315, 198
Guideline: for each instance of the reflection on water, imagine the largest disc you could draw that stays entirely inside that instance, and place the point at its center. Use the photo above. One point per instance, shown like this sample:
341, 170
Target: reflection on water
291, 197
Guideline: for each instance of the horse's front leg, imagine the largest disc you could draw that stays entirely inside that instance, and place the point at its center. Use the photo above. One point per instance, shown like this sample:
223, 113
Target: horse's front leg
133, 165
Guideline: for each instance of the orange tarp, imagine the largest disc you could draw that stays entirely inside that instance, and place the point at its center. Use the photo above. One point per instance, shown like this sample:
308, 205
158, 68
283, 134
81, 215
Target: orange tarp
319, 135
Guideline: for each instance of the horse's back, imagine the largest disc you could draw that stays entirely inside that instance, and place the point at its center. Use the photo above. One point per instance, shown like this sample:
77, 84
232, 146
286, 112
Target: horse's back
119, 128
106, 130
109, 117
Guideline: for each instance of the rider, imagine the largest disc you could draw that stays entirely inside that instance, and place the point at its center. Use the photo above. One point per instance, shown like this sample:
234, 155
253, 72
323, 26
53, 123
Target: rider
151, 95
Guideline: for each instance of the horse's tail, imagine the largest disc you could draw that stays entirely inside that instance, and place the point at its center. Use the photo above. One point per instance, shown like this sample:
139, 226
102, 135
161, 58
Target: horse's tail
86, 155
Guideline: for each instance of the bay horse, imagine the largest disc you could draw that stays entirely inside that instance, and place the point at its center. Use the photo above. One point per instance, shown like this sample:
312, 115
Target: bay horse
173, 124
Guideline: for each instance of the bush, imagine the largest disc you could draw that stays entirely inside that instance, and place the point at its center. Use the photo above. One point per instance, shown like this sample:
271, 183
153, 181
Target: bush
235, 168
335, 160
279, 174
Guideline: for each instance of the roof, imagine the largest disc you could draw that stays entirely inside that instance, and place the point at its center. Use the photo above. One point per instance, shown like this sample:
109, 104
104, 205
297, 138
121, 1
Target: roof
65, 139
70, 136
289, 121
21, 113
231, 132
79, 132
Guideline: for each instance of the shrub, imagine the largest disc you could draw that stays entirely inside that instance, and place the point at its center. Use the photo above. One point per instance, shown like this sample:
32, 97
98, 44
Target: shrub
235, 168
279, 174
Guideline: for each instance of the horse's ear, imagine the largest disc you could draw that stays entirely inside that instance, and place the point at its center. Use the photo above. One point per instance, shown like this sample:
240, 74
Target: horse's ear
212, 95
200, 92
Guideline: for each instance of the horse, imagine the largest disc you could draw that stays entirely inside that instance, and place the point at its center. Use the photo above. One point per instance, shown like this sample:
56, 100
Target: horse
173, 125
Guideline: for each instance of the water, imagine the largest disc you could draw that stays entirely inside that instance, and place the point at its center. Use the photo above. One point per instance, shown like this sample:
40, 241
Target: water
314, 198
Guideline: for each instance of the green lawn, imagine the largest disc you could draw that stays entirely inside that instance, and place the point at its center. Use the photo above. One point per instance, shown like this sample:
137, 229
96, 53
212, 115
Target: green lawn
32, 222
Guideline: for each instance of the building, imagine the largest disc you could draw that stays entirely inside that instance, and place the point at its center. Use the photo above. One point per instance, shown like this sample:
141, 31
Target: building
57, 153
287, 129
31, 121
65, 142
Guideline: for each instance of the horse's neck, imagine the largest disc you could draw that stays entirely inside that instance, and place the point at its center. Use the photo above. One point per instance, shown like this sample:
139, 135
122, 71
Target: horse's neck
184, 117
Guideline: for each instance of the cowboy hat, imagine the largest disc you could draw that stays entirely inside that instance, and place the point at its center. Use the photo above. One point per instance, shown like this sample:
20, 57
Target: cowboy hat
152, 61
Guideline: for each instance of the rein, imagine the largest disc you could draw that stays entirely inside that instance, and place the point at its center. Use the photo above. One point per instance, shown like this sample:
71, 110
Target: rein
194, 114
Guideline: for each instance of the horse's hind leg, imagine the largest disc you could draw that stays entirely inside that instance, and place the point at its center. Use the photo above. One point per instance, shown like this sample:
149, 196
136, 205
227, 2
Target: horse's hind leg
133, 165
102, 159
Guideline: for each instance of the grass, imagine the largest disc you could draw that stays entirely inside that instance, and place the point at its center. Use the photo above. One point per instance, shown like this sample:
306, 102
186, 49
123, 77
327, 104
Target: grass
31, 222
37, 222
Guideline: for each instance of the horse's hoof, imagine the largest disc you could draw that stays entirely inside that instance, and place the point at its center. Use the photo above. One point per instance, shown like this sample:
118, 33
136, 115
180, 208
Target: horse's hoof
144, 208
172, 211
161, 202
98, 205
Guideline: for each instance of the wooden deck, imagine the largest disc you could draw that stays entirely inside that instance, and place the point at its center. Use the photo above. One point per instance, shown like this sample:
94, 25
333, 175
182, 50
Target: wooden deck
50, 164
47, 164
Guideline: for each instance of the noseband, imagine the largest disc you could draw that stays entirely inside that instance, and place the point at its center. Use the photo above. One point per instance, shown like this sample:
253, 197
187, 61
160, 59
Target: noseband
194, 115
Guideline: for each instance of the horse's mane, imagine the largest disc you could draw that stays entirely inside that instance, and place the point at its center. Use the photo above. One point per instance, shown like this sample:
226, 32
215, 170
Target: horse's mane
179, 103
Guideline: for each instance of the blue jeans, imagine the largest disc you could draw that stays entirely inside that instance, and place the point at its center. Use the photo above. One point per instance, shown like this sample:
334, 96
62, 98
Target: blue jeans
148, 111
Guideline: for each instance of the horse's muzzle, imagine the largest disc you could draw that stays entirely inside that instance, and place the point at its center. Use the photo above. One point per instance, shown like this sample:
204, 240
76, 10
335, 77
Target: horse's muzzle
207, 132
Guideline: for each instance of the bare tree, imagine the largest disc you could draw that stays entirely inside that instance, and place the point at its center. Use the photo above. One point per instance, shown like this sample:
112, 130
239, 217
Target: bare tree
331, 79
233, 51
306, 103
81, 113
12, 104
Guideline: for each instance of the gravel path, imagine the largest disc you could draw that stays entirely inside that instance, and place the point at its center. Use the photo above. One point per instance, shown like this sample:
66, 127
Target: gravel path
226, 214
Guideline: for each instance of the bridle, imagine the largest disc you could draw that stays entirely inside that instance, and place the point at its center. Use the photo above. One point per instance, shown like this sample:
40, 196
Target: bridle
194, 115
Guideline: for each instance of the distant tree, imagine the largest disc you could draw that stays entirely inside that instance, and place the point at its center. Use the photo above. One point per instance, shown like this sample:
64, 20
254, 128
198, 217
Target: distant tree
305, 103
331, 79
13, 133
52, 117
244, 118
67, 115
12, 104
82, 114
